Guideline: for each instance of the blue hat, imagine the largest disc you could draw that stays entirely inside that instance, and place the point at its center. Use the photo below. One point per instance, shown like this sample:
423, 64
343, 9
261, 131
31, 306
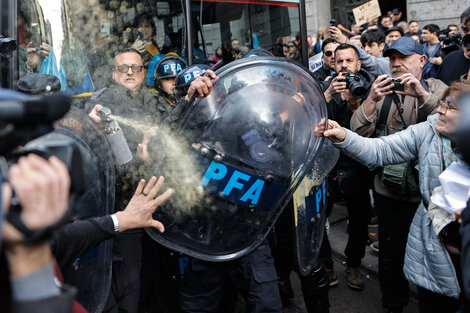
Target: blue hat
405, 46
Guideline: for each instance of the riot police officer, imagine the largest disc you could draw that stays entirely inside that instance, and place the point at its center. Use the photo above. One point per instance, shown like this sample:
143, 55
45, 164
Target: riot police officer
166, 71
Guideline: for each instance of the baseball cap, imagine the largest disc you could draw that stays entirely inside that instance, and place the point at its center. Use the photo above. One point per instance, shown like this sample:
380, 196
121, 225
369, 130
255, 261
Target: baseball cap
394, 28
396, 11
405, 46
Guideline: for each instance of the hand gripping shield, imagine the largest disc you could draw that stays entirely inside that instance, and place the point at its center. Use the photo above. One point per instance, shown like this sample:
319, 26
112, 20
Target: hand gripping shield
251, 144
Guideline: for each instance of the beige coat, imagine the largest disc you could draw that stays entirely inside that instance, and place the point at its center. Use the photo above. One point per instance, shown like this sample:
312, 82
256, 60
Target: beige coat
365, 126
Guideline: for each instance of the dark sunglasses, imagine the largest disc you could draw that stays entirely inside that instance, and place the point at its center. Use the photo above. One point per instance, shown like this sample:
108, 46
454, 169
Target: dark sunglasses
125, 68
328, 53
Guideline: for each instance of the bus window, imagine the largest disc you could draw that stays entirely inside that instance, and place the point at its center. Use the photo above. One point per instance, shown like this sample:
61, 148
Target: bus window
245, 25
76, 40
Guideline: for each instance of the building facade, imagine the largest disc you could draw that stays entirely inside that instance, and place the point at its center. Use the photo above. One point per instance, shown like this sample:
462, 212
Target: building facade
440, 12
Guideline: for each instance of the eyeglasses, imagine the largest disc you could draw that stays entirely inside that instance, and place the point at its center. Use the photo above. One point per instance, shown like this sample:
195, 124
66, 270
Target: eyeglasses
328, 53
447, 105
125, 68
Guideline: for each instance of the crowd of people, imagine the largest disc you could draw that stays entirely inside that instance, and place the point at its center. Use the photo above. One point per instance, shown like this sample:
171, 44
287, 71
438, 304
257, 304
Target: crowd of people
411, 80
393, 92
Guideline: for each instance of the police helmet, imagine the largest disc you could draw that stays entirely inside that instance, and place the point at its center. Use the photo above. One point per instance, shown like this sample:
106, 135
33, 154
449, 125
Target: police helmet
169, 66
257, 53
186, 76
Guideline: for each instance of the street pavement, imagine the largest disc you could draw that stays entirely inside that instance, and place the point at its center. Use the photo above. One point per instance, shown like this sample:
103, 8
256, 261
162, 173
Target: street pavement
342, 298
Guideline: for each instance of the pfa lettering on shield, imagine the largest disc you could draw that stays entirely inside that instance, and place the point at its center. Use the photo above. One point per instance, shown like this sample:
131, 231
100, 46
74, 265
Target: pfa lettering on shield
235, 185
229, 183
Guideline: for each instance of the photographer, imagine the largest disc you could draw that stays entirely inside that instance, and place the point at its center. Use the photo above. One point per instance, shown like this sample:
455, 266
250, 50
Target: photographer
386, 112
42, 189
353, 179
457, 64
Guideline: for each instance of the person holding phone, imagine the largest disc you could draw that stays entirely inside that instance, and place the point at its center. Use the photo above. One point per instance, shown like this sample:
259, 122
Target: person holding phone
387, 111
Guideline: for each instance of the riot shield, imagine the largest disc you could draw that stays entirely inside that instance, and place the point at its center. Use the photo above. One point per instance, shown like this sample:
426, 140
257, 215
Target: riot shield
309, 209
250, 143
90, 273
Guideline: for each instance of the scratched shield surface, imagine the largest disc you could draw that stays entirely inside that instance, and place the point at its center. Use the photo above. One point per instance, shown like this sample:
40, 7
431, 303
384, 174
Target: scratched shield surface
310, 200
249, 145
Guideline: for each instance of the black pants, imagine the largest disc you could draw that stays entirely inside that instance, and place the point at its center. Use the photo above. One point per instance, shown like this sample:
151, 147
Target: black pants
315, 285
161, 273
125, 284
253, 275
354, 182
395, 218
325, 249
431, 302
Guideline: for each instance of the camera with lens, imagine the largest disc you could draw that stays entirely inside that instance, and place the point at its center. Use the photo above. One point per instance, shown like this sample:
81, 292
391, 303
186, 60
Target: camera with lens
397, 85
451, 42
26, 121
354, 84
333, 22
447, 39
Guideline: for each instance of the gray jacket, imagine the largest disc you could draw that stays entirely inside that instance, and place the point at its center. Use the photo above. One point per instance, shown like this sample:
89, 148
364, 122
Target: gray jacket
375, 66
427, 263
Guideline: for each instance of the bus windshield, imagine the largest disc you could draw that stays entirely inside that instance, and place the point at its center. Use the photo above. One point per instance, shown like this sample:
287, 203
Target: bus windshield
77, 40
243, 25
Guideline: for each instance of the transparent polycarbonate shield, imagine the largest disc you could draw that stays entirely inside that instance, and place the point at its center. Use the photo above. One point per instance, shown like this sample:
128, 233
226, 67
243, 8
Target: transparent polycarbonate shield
91, 272
250, 142
310, 200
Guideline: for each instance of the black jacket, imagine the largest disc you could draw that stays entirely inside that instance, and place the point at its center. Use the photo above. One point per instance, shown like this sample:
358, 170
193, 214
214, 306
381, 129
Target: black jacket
76, 239
322, 73
454, 65
339, 111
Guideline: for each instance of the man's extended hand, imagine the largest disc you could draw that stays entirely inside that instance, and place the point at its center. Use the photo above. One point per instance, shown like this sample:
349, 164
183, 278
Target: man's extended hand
138, 213
332, 131
202, 85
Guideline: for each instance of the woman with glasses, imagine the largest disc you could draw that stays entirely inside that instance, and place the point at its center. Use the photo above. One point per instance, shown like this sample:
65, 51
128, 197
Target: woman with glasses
434, 258
294, 53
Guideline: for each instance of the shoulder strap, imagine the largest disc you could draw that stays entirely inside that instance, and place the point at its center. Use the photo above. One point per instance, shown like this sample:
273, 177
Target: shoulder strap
384, 111
421, 116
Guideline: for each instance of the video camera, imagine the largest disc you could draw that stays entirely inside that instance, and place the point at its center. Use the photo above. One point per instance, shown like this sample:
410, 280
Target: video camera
447, 39
354, 84
23, 119
452, 43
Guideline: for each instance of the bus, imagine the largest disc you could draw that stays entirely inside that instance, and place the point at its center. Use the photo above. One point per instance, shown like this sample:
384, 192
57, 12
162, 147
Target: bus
75, 40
